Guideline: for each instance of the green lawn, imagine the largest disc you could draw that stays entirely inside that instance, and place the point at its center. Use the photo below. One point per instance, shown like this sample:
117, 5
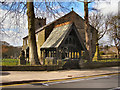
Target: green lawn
14, 62
8, 62
109, 60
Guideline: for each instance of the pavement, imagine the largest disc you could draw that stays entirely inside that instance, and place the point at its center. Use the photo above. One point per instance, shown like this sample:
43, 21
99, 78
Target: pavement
14, 77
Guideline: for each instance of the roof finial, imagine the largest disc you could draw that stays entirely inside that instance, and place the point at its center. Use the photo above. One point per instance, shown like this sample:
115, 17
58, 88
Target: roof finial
72, 8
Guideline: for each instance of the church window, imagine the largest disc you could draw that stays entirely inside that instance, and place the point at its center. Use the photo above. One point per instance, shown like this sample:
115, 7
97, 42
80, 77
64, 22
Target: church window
27, 41
36, 37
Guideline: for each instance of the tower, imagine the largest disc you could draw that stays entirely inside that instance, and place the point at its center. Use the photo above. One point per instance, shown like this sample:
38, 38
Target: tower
39, 22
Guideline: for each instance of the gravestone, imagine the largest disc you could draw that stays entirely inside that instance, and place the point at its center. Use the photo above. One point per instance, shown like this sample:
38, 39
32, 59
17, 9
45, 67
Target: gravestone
22, 58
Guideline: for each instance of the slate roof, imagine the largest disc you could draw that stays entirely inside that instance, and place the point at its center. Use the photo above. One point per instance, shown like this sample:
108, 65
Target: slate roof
59, 33
57, 36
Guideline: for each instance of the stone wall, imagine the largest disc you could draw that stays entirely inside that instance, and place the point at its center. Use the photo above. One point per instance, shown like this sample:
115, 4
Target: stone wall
41, 40
67, 65
30, 68
98, 65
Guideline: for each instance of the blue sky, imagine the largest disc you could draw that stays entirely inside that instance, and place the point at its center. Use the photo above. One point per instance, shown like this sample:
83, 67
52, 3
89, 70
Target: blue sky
78, 8
11, 29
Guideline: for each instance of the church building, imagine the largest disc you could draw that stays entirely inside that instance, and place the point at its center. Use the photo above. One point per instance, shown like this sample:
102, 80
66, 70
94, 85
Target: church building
62, 38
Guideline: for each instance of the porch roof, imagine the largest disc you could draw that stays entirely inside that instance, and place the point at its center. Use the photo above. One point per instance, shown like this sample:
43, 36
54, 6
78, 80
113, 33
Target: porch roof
57, 35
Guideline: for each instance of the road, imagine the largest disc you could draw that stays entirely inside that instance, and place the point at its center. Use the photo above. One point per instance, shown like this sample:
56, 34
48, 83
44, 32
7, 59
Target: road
108, 81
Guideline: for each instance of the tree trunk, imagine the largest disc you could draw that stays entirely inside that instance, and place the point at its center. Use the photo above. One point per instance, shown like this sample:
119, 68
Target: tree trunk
117, 47
87, 31
97, 48
118, 54
33, 55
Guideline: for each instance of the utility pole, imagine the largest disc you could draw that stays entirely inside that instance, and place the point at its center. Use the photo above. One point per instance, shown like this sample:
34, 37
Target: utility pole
87, 30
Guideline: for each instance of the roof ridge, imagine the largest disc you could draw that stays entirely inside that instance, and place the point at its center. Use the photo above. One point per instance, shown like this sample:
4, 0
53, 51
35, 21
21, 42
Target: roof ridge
42, 28
53, 21
62, 24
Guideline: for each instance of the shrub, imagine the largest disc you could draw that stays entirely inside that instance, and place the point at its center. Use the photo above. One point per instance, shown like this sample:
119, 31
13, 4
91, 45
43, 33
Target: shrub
101, 53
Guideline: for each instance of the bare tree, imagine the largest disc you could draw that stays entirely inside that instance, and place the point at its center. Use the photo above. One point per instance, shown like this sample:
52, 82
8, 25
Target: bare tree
11, 15
23, 7
100, 23
87, 31
114, 32
86, 26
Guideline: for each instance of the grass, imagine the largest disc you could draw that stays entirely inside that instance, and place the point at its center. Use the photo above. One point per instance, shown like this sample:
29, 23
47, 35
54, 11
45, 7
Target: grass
109, 60
10, 62
15, 62
7, 62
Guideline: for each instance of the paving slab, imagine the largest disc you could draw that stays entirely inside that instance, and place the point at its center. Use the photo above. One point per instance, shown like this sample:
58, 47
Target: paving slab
12, 76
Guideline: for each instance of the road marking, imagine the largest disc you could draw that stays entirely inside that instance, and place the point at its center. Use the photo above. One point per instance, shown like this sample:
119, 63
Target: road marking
45, 84
73, 79
117, 88
69, 81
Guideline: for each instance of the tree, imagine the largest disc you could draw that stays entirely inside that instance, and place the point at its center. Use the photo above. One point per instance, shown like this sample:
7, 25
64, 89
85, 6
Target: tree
32, 40
20, 7
86, 27
100, 23
87, 31
114, 32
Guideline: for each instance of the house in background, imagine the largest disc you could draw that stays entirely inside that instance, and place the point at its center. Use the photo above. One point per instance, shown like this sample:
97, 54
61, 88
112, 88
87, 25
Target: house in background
4, 43
9, 51
113, 50
62, 38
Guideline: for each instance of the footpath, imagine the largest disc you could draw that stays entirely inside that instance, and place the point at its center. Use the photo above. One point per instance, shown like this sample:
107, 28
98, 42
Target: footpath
14, 77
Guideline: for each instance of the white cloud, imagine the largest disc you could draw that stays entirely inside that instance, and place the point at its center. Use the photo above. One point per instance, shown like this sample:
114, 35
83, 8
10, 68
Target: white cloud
17, 34
52, 18
107, 6
49, 17
13, 28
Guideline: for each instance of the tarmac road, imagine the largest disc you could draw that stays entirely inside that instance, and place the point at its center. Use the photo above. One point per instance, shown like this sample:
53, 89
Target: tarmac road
110, 82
